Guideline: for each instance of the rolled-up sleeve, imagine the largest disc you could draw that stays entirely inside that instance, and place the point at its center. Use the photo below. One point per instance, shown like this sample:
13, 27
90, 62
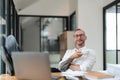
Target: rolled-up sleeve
64, 62
89, 62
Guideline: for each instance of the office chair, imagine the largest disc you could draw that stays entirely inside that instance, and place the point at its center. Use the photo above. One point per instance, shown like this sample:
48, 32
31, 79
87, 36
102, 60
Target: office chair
6, 57
10, 45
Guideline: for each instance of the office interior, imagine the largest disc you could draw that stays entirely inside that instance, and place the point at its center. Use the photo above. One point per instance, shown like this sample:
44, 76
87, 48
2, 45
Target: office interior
38, 24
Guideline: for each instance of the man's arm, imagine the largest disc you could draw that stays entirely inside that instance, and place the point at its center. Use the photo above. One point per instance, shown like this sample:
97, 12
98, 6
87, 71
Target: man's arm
87, 63
66, 64
75, 67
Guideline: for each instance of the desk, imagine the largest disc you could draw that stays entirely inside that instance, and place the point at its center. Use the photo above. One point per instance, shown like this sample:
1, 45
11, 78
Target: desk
57, 74
7, 77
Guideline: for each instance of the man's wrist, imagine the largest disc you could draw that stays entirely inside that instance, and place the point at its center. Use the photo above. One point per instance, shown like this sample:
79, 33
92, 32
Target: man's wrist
70, 59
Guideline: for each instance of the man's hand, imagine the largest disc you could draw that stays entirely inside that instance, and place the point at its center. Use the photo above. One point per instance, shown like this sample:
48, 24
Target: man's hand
74, 67
77, 54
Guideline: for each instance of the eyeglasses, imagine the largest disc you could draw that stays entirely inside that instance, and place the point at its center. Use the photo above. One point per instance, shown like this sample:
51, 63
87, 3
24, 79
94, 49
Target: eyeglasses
79, 35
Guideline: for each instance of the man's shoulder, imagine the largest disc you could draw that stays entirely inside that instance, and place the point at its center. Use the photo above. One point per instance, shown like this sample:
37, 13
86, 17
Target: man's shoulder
91, 52
71, 49
89, 49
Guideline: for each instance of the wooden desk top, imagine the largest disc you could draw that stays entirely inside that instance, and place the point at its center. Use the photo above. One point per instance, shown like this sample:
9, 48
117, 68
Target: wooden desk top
57, 74
8, 77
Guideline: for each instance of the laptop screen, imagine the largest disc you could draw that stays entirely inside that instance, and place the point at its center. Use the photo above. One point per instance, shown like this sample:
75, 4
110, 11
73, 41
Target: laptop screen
31, 65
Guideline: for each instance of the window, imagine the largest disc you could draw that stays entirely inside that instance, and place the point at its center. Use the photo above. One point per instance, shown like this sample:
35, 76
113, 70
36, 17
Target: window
73, 21
111, 33
42, 32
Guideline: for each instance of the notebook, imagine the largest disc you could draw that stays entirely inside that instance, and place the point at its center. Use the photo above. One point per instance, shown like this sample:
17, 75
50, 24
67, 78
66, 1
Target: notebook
31, 65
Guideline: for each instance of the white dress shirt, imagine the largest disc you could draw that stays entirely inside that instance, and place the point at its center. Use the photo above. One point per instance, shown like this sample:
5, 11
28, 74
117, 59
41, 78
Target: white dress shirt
86, 61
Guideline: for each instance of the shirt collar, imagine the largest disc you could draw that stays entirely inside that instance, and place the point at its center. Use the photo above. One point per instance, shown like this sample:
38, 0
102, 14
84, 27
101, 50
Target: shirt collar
81, 48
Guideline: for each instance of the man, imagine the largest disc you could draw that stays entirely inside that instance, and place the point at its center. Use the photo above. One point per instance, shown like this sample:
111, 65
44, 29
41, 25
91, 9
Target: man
80, 58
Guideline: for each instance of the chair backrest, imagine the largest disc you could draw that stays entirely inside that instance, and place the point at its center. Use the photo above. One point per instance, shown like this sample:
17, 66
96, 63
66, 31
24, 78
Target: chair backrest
6, 57
11, 44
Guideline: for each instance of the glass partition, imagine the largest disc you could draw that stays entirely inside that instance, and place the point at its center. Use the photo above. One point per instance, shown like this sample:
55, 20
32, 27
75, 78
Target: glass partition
111, 33
118, 30
42, 34
73, 21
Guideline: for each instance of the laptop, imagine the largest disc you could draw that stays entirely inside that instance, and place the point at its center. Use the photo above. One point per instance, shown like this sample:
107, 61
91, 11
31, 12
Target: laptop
31, 65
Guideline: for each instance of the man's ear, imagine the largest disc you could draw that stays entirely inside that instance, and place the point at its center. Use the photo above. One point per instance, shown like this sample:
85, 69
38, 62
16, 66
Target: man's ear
85, 37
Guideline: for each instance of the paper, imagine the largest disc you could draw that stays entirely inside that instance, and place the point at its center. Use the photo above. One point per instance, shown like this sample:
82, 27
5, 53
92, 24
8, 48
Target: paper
73, 73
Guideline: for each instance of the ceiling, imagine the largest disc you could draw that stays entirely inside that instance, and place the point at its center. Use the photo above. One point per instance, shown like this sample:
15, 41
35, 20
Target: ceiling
22, 4
42, 7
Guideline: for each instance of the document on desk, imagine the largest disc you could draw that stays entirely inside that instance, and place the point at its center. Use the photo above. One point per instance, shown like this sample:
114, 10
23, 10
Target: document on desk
73, 73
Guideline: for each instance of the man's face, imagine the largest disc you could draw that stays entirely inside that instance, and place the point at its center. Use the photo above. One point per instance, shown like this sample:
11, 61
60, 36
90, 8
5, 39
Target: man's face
79, 37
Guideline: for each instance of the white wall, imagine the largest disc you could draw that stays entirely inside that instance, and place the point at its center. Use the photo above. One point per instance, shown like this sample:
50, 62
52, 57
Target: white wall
89, 18
49, 7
